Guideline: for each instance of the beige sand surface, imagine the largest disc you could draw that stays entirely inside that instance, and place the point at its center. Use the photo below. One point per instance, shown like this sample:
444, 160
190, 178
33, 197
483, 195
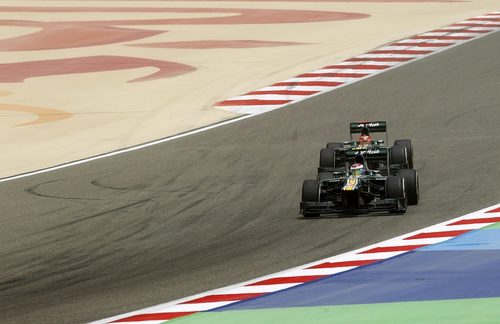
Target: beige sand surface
108, 112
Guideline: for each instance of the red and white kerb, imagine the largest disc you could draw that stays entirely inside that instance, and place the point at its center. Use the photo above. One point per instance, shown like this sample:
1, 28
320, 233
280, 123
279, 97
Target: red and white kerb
312, 271
331, 77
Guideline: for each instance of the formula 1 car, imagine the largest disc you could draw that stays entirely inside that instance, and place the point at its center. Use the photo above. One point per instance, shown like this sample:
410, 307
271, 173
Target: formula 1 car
362, 178
375, 151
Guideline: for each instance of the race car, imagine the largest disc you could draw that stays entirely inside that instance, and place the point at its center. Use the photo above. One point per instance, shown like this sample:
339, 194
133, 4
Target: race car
375, 151
362, 175
359, 190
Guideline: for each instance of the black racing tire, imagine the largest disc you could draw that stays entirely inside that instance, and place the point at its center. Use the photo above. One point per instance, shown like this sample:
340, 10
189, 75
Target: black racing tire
399, 155
310, 193
335, 145
325, 175
411, 185
409, 150
395, 187
327, 158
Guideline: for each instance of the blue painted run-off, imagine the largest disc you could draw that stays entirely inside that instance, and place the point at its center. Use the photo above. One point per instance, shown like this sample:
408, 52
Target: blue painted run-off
464, 267
487, 239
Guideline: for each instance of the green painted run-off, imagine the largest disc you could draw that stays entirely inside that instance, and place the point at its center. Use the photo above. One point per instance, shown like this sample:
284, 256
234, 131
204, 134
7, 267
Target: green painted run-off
480, 310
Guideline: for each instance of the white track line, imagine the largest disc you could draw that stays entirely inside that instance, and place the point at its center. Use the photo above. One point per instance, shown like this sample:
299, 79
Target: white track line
125, 150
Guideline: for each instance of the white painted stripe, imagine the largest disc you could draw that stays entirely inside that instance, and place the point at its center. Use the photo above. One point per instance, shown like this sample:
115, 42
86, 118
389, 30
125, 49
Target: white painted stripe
389, 55
267, 97
413, 48
435, 34
425, 241
251, 110
478, 216
337, 70
484, 28
479, 22
300, 88
467, 28
196, 307
470, 35
453, 34
444, 228
365, 256
327, 79
430, 41
388, 244
260, 288
367, 62
317, 272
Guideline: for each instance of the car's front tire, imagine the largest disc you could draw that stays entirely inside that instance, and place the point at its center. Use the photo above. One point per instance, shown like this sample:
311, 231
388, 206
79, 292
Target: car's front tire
395, 188
411, 185
310, 193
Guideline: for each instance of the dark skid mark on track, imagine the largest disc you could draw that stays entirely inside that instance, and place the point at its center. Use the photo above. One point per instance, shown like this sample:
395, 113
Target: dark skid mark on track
35, 190
97, 183
66, 266
104, 213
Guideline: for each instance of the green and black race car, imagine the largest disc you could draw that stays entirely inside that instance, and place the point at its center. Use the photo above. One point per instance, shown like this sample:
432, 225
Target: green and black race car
362, 175
375, 151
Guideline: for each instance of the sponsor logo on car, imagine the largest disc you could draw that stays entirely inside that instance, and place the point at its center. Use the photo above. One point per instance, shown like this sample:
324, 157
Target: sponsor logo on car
362, 150
369, 125
352, 183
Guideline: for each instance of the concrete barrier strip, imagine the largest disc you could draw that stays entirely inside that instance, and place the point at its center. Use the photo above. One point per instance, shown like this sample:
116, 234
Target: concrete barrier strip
312, 271
331, 77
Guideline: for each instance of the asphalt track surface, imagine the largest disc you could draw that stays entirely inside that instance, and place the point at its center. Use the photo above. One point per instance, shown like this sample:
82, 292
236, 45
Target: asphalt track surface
220, 207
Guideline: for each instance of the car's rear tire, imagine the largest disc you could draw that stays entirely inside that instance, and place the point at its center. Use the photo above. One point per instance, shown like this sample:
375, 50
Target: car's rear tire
310, 193
399, 155
411, 185
335, 145
327, 158
409, 149
395, 188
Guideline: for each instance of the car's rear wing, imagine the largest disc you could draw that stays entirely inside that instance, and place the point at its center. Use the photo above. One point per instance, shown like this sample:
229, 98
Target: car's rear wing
369, 154
373, 127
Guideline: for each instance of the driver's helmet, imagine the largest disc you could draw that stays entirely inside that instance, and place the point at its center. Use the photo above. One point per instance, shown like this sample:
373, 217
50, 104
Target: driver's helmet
357, 169
365, 140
